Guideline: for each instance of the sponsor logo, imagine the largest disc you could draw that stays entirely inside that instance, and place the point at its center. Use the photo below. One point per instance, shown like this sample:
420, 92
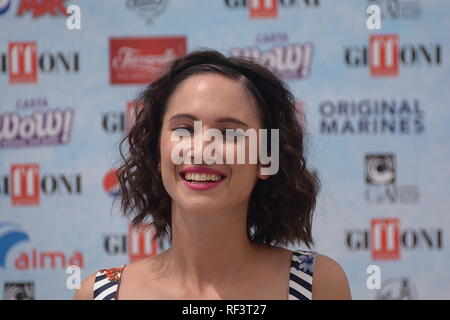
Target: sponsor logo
137, 243
142, 60
399, 288
42, 7
372, 117
385, 55
18, 291
386, 239
26, 184
380, 172
111, 183
120, 122
35, 260
11, 235
23, 63
42, 127
380, 169
147, 9
268, 9
398, 9
288, 61
4, 6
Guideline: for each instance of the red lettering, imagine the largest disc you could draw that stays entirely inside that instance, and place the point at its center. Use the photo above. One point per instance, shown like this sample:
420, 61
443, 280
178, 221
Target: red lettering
39, 8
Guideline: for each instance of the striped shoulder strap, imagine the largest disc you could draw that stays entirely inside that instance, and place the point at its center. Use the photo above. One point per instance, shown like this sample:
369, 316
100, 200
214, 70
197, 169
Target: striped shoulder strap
301, 275
106, 283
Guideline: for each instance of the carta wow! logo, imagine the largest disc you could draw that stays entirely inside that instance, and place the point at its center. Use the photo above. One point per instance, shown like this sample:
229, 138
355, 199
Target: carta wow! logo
25, 184
11, 235
40, 128
288, 60
22, 62
385, 54
386, 238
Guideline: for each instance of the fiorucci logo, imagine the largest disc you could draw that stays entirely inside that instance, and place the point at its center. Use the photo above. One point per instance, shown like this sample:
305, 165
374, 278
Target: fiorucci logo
213, 153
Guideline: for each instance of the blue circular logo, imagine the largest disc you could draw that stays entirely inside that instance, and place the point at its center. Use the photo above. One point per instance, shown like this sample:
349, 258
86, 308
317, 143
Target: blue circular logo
4, 6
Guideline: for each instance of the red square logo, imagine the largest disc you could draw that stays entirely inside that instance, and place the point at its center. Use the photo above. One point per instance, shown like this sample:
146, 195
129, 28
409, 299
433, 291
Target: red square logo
140, 243
263, 8
142, 60
385, 239
25, 184
383, 51
22, 62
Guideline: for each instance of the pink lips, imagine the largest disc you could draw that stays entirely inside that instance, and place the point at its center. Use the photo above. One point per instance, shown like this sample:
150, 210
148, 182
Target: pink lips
201, 186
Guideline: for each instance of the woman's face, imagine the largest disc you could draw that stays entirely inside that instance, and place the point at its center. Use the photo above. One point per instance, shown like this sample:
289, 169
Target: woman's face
220, 103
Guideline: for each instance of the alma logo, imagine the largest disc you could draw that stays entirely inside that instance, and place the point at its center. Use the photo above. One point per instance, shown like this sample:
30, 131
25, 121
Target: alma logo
385, 54
51, 259
27, 184
23, 62
11, 235
41, 7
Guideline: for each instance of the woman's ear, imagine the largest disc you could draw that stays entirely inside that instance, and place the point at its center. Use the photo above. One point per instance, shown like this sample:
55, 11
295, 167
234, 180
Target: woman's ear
159, 167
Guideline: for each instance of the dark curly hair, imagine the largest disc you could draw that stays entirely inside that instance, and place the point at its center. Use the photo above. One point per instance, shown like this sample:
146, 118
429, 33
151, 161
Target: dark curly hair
280, 208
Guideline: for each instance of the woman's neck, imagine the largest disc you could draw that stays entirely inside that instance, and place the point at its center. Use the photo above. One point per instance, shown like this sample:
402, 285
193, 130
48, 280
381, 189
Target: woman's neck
210, 249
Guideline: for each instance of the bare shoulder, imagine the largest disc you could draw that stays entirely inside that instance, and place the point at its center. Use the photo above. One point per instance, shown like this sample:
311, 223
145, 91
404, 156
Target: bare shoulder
329, 281
86, 291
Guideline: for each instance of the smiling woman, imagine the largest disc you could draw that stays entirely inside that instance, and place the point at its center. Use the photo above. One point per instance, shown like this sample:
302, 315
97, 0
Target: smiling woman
227, 222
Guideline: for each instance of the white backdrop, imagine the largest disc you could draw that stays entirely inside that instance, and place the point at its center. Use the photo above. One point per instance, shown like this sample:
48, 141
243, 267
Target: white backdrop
376, 103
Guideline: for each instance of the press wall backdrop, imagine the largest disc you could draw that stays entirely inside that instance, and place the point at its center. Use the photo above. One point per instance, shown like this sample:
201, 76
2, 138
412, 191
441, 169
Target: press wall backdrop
377, 113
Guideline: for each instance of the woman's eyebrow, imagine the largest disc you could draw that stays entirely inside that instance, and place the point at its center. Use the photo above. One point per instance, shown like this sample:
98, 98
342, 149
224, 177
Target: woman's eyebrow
183, 115
228, 119
219, 120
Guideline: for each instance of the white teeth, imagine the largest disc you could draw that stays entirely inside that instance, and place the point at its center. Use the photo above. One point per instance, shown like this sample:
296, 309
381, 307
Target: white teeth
201, 177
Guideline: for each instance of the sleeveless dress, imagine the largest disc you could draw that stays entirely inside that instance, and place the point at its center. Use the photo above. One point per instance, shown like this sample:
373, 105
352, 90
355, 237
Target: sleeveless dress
107, 281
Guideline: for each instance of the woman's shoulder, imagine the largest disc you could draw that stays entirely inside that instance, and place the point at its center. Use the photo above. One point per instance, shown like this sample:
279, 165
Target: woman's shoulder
104, 283
321, 275
104, 280
330, 281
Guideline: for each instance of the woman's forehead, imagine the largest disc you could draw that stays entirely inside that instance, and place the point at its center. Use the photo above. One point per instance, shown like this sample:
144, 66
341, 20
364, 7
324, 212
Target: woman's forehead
211, 96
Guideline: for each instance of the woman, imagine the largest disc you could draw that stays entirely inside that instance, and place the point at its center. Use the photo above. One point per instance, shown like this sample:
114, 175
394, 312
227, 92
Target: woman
225, 234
